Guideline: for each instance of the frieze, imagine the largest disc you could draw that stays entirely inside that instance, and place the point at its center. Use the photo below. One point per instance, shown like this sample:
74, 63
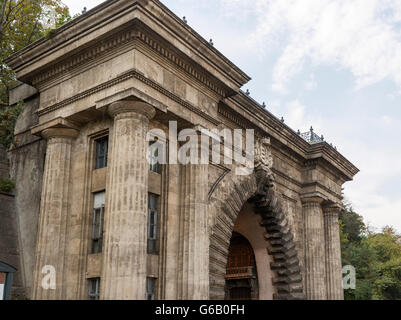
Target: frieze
125, 76
74, 64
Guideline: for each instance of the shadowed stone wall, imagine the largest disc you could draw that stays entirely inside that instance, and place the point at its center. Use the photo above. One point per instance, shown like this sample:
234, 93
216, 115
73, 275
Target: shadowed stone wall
26, 169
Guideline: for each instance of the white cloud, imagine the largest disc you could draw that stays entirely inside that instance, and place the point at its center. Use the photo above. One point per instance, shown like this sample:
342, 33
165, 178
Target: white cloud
362, 36
311, 84
296, 116
77, 6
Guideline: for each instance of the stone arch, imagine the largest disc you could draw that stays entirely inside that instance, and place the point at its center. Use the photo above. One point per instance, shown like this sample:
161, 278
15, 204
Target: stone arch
225, 204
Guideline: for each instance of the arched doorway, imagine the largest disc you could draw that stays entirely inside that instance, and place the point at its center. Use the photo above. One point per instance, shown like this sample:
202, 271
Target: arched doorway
275, 246
241, 274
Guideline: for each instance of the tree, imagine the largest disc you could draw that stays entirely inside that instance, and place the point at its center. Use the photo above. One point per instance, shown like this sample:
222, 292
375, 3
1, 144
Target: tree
21, 23
376, 257
353, 223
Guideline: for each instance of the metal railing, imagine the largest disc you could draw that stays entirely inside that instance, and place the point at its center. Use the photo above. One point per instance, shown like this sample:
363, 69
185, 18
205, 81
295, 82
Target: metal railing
240, 273
311, 136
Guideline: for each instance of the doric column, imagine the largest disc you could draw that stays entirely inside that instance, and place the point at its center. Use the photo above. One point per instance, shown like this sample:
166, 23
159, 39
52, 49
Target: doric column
194, 249
315, 273
333, 253
125, 239
52, 228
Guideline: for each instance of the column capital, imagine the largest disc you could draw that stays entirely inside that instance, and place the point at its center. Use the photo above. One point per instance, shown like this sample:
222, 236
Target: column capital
311, 199
56, 128
67, 133
131, 107
332, 208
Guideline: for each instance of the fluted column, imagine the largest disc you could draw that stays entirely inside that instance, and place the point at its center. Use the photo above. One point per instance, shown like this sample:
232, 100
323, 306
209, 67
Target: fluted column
315, 273
52, 228
194, 251
333, 253
125, 239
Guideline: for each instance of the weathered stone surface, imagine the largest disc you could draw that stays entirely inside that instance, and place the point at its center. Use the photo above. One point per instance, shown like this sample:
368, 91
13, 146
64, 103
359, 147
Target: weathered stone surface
52, 229
123, 58
124, 258
314, 249
333, 253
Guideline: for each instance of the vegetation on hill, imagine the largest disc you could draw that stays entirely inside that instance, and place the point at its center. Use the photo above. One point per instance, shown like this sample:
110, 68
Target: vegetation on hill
21, 23
376, 257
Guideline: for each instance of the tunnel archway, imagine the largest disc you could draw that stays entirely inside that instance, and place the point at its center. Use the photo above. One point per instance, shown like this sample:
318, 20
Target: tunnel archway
225, 205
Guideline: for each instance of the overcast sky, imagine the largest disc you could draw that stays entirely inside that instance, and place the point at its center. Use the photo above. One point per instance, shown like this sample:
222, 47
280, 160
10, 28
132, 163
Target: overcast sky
333, 64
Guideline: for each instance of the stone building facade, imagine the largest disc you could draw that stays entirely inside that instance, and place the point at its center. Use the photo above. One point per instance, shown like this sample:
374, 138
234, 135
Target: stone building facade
95, 215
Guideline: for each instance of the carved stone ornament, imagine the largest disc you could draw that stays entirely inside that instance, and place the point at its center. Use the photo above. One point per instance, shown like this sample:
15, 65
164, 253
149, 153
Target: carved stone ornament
263, 155
263, 166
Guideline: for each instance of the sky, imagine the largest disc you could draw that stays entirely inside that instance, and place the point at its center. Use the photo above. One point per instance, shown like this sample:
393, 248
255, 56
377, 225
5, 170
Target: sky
331, 64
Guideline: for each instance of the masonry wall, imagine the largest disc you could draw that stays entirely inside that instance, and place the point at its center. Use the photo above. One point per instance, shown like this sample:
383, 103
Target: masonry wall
9, 241
26, 169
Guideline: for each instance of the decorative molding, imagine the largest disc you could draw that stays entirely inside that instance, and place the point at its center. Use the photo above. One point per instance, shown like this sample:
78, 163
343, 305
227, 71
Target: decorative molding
88, 55
321, 186
239, 120
287, 178
335, 160
123, 77
179, 61
115, 44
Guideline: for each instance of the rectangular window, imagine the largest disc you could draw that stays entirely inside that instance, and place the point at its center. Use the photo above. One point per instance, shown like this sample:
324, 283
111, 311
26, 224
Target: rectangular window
150, 288
94, 289
154, 165
152, 223
98, 221
102, 146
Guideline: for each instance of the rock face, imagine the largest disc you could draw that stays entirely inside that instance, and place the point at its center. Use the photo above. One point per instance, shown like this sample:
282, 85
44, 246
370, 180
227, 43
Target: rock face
117, 82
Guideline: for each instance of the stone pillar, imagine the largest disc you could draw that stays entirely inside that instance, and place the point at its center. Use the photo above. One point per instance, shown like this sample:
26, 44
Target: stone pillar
125, 239
194, 248
333, 253
52, 228
315, 271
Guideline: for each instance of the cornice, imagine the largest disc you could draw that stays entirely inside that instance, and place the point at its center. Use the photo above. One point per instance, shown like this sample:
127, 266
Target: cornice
119, 43
250, 109
322, 187
331, 156
111, 16
78, 62
284, 136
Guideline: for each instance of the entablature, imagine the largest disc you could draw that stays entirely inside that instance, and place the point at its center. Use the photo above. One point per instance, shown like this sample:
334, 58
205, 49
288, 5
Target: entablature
115, 24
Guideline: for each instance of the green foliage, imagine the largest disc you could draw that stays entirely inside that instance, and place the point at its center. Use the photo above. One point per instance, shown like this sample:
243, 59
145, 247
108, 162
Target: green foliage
62, 20
21, 23
353, 224
6, 185
8, 118
375, 256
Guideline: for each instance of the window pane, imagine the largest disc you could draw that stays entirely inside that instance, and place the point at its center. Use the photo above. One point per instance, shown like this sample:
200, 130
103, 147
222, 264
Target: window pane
97, 222
153, 202
93, 288
99, 199
153, 157
150, 288
101, 152
152, 223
